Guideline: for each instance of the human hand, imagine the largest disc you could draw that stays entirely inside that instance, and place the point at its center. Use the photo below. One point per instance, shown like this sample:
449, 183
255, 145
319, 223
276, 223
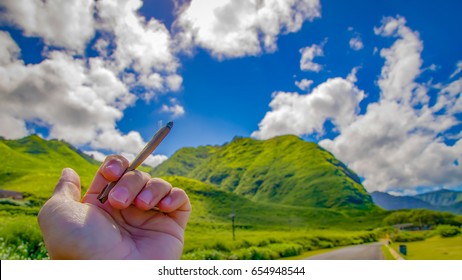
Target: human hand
125, 227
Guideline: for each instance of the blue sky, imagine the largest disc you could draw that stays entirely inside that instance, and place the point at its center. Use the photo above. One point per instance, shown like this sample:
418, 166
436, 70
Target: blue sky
378, 81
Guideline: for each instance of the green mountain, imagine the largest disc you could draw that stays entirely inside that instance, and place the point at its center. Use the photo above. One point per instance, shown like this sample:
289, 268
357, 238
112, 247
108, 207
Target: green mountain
284, 170
33, 165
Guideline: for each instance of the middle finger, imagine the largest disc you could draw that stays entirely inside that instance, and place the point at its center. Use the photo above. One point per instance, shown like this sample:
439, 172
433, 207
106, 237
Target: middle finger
128, 187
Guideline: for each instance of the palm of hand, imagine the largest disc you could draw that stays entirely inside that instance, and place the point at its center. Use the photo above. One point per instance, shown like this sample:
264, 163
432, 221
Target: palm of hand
131, 233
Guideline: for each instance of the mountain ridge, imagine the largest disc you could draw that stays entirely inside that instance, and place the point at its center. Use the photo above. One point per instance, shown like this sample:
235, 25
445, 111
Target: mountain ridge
283, 169
440, 200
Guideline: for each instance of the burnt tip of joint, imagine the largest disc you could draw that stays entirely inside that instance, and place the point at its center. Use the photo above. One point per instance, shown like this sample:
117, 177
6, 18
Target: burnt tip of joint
170, 125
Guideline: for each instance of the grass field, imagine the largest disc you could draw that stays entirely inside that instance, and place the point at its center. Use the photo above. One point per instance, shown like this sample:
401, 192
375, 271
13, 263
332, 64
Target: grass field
433, 248
265, 243
20, 238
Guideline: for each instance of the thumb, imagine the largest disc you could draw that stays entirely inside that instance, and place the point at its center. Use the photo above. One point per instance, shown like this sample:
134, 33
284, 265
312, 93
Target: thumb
68, 185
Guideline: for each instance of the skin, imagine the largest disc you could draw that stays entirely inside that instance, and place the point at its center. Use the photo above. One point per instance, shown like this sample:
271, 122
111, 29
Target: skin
125, 227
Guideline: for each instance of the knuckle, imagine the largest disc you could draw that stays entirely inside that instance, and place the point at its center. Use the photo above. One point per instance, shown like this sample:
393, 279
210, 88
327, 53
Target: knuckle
159, 183
116, 159
135, 176
139, 174
180, 192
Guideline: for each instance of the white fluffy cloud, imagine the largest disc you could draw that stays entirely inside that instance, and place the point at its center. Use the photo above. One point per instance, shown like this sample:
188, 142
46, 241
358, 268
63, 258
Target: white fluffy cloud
236, 28
399, 142
69, 24
77, 98
356, 43
458, 69
308, 54
337, 100
144, 46
176, 110
97, 155
304, 84
152, 160
77, 102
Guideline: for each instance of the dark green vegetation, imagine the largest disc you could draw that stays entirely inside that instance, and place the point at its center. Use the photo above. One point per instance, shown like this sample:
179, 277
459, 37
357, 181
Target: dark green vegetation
288, 196
422, 218
284, 170
425, 224
442, 200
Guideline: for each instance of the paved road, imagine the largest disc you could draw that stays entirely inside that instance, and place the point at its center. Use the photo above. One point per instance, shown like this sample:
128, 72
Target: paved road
370, 251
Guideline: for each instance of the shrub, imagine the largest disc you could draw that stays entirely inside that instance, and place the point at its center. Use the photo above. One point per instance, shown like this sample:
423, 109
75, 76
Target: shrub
207, 254
407, 236
243, 244
448, 230
266, 242
219, 246
286, 250
22, 250
421, 218
255, 253
20, 238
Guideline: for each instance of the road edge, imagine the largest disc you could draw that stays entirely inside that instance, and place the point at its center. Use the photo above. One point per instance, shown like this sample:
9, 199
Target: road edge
394, 253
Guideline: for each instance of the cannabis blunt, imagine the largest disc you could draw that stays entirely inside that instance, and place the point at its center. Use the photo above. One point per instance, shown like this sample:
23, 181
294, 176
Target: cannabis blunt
148, 149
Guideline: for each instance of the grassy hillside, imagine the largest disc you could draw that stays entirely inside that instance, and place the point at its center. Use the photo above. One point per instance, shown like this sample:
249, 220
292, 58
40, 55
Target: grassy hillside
211, 204
283, 170
33, 165
265, 230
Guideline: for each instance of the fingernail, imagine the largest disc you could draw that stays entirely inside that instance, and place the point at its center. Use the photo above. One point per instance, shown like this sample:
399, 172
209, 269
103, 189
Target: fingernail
115, 168
120, 195
65, 174
145, 196
167, 200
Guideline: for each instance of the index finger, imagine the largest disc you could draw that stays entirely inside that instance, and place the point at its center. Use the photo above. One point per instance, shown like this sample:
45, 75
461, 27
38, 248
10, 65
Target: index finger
110, 170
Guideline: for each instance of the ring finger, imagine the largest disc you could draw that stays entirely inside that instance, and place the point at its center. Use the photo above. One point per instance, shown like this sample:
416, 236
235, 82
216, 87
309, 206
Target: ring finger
153, 192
